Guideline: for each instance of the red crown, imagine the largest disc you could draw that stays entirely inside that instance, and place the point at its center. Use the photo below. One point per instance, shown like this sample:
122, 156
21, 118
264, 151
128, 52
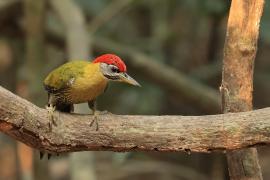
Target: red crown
112, 59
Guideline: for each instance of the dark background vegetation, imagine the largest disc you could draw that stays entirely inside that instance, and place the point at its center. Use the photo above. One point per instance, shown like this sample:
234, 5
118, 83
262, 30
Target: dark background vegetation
187, 36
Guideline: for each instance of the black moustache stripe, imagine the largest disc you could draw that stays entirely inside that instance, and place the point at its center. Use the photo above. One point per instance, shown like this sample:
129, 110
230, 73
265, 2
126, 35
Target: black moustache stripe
112, 77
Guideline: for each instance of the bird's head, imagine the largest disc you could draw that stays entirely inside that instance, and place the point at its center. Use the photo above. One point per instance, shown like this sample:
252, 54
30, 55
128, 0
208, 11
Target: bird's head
113, 68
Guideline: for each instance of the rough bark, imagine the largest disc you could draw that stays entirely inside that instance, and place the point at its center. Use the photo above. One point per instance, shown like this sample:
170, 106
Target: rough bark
27, 123
237, 83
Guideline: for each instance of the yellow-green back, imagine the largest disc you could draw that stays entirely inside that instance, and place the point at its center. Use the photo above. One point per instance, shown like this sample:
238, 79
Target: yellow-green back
60, 77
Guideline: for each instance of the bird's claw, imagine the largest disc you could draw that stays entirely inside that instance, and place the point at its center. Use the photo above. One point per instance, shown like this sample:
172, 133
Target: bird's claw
51, 109
21, 129
95, 121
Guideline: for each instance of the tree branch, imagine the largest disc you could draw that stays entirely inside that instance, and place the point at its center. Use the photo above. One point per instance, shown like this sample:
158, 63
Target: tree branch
27, 123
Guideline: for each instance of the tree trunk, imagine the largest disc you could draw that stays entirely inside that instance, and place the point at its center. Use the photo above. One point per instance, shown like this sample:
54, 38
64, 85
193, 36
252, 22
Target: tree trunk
237, 83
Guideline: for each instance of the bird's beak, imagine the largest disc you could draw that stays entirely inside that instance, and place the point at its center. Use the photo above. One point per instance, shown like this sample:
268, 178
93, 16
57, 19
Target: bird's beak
124, 77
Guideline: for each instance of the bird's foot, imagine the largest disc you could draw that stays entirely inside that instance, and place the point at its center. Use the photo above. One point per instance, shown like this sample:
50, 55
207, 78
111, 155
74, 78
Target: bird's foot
51, 109
104, 112
95, 120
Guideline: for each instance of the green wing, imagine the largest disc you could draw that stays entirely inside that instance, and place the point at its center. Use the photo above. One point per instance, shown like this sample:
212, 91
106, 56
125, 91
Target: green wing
64, 76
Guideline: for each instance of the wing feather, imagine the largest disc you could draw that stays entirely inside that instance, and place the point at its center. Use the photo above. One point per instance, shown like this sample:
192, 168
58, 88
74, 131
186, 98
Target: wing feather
62, 78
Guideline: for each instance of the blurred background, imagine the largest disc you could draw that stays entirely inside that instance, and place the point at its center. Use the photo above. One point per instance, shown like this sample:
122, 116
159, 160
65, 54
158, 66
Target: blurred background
173, 48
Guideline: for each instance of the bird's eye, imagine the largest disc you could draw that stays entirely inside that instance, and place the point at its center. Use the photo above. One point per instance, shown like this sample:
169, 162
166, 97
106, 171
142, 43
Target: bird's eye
115, 69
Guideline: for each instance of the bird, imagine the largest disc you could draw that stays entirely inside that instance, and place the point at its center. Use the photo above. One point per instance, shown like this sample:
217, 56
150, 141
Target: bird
83, 81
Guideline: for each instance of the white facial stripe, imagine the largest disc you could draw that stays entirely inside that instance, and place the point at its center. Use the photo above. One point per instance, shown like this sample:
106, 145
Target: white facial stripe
110, 71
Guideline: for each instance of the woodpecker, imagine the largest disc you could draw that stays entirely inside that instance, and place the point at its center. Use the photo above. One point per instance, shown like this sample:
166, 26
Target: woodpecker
83, 81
